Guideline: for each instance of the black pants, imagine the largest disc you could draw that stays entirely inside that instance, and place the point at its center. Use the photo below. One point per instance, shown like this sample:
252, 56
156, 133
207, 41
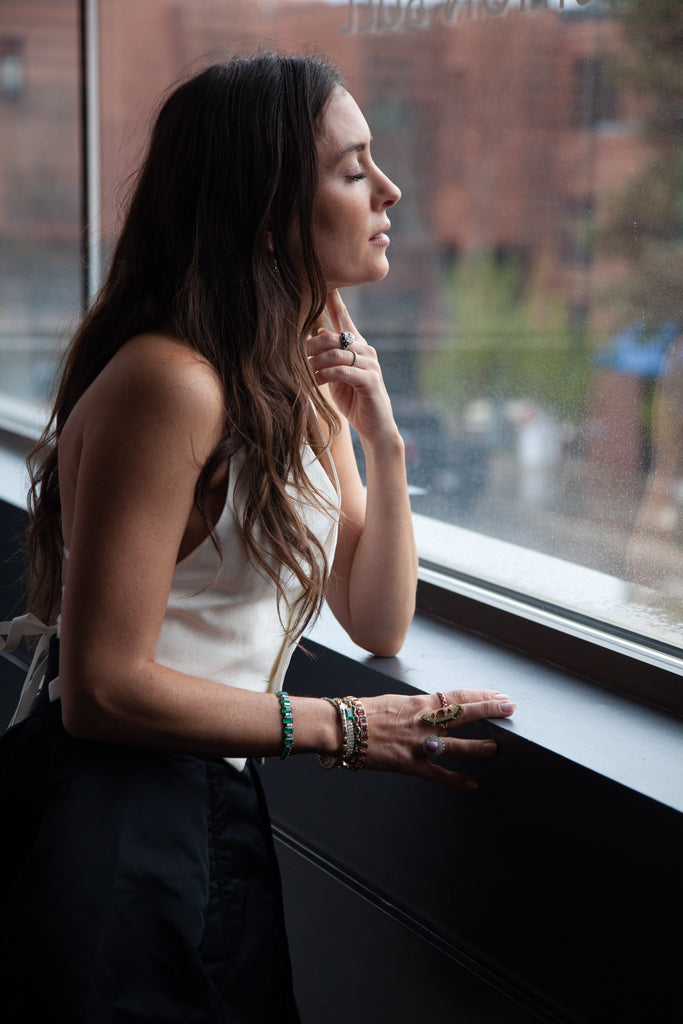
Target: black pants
136, 886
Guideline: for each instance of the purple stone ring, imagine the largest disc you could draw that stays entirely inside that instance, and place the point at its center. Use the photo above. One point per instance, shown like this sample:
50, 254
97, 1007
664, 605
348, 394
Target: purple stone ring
433, 746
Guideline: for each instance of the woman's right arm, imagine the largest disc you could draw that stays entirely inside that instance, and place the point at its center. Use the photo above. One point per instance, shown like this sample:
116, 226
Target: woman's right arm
130, 457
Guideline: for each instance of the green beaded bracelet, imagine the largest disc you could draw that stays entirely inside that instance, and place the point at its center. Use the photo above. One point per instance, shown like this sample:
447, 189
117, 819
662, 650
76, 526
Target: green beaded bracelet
287, 724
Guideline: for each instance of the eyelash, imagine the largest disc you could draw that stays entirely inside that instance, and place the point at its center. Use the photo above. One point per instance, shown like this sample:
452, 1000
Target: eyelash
356, 177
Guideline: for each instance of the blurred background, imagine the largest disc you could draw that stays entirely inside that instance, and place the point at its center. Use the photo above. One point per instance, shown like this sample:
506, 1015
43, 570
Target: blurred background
530, 327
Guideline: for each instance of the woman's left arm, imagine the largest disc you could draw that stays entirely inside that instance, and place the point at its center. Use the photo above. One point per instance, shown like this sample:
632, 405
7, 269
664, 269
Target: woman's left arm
374, 576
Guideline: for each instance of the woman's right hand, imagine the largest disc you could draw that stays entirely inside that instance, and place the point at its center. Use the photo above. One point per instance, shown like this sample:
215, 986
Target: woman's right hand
396, 733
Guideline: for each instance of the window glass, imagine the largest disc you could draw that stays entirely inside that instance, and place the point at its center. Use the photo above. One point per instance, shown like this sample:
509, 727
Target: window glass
530, 327
39, 197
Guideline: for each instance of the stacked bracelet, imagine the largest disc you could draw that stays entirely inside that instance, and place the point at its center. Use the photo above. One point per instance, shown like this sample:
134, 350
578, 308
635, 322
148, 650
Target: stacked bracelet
360, 730
287, 724
329, 760
354, 735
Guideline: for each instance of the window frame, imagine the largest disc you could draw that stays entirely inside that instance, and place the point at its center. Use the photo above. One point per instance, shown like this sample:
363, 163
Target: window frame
620, 664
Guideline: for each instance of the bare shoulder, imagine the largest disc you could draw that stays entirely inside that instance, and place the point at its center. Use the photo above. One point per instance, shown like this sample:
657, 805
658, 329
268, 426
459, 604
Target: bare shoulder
154, 383
169, 375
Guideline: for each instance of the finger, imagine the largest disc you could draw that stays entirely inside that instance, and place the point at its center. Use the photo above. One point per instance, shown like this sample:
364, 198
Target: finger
339, 316
455, 714
483, 709
454, 780
481, 704
327, 358
488, 709
474, 696
459, 748
470, 748
324, 341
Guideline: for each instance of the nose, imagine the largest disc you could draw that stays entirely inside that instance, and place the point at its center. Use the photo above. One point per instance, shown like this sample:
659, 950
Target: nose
395, 193
387, 193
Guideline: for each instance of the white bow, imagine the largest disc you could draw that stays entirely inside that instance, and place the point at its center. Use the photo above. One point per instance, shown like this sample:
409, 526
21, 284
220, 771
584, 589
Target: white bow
14, 631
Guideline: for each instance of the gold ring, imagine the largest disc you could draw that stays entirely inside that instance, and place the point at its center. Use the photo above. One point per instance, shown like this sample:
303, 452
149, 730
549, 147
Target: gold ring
441, 715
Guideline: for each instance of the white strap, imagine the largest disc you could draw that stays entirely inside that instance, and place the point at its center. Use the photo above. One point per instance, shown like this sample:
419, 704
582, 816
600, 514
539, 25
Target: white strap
14, 631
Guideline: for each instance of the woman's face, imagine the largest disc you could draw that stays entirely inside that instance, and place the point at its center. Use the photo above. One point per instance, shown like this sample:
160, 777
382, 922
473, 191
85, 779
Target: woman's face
350, 208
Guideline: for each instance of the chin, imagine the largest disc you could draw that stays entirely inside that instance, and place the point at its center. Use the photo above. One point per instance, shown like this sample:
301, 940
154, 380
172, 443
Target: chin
378, 276
371, 276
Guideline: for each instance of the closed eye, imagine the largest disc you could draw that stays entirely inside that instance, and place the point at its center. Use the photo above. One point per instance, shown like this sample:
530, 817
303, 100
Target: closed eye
356, 177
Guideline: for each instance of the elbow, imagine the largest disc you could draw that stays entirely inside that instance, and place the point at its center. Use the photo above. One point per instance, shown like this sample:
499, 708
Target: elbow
90, 709
82, 716
385, 643
385, 650
77, 724
384, 635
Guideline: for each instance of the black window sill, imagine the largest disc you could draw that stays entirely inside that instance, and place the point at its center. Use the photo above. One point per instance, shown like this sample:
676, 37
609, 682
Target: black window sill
616, 736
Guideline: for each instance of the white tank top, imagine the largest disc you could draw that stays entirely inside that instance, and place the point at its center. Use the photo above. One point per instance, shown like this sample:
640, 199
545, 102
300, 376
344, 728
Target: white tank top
221, 621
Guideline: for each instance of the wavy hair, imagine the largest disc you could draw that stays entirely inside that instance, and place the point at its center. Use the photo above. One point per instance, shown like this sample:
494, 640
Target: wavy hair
227, 184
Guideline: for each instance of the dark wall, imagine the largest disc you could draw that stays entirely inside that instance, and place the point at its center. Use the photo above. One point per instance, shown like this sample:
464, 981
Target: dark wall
13, 566
551, 893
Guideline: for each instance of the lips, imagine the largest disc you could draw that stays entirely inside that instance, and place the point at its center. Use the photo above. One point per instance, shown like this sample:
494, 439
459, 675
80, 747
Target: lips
381, 237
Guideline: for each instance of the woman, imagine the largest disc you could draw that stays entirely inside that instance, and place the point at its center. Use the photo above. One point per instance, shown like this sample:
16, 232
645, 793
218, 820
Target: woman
196, 500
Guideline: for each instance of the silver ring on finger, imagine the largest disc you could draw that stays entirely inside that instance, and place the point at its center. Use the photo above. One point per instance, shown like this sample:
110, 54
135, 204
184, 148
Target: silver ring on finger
346, 338
355, 359
433, 746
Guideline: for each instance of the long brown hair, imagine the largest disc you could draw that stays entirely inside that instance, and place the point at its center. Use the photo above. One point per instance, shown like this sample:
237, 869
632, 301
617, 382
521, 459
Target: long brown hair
228, 181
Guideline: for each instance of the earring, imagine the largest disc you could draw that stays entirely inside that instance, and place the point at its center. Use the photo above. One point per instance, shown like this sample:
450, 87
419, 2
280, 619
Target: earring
276, 269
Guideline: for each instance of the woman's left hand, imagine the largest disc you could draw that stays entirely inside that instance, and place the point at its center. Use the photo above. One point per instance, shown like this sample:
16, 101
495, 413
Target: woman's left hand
353, 375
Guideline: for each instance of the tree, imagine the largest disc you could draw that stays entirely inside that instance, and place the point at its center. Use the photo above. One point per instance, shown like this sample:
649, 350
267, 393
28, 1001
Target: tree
509, 340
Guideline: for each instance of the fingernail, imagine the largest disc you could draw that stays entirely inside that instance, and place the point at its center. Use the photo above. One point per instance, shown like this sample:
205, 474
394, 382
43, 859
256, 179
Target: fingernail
501, 696
507, 709
471, 784
489, 747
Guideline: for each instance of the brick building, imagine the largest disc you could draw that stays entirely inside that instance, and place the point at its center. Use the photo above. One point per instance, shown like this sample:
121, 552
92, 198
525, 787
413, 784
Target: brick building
501, 129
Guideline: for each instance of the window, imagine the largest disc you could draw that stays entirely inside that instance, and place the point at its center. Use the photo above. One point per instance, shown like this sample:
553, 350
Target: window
11, 67
530, 326
595, 98
39, 199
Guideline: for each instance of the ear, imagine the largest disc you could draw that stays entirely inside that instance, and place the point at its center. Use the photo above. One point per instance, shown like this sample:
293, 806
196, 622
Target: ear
269, 237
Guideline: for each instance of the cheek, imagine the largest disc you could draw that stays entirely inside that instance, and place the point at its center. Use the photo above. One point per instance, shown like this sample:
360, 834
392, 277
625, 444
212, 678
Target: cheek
324, 223
332, 241
334, 217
